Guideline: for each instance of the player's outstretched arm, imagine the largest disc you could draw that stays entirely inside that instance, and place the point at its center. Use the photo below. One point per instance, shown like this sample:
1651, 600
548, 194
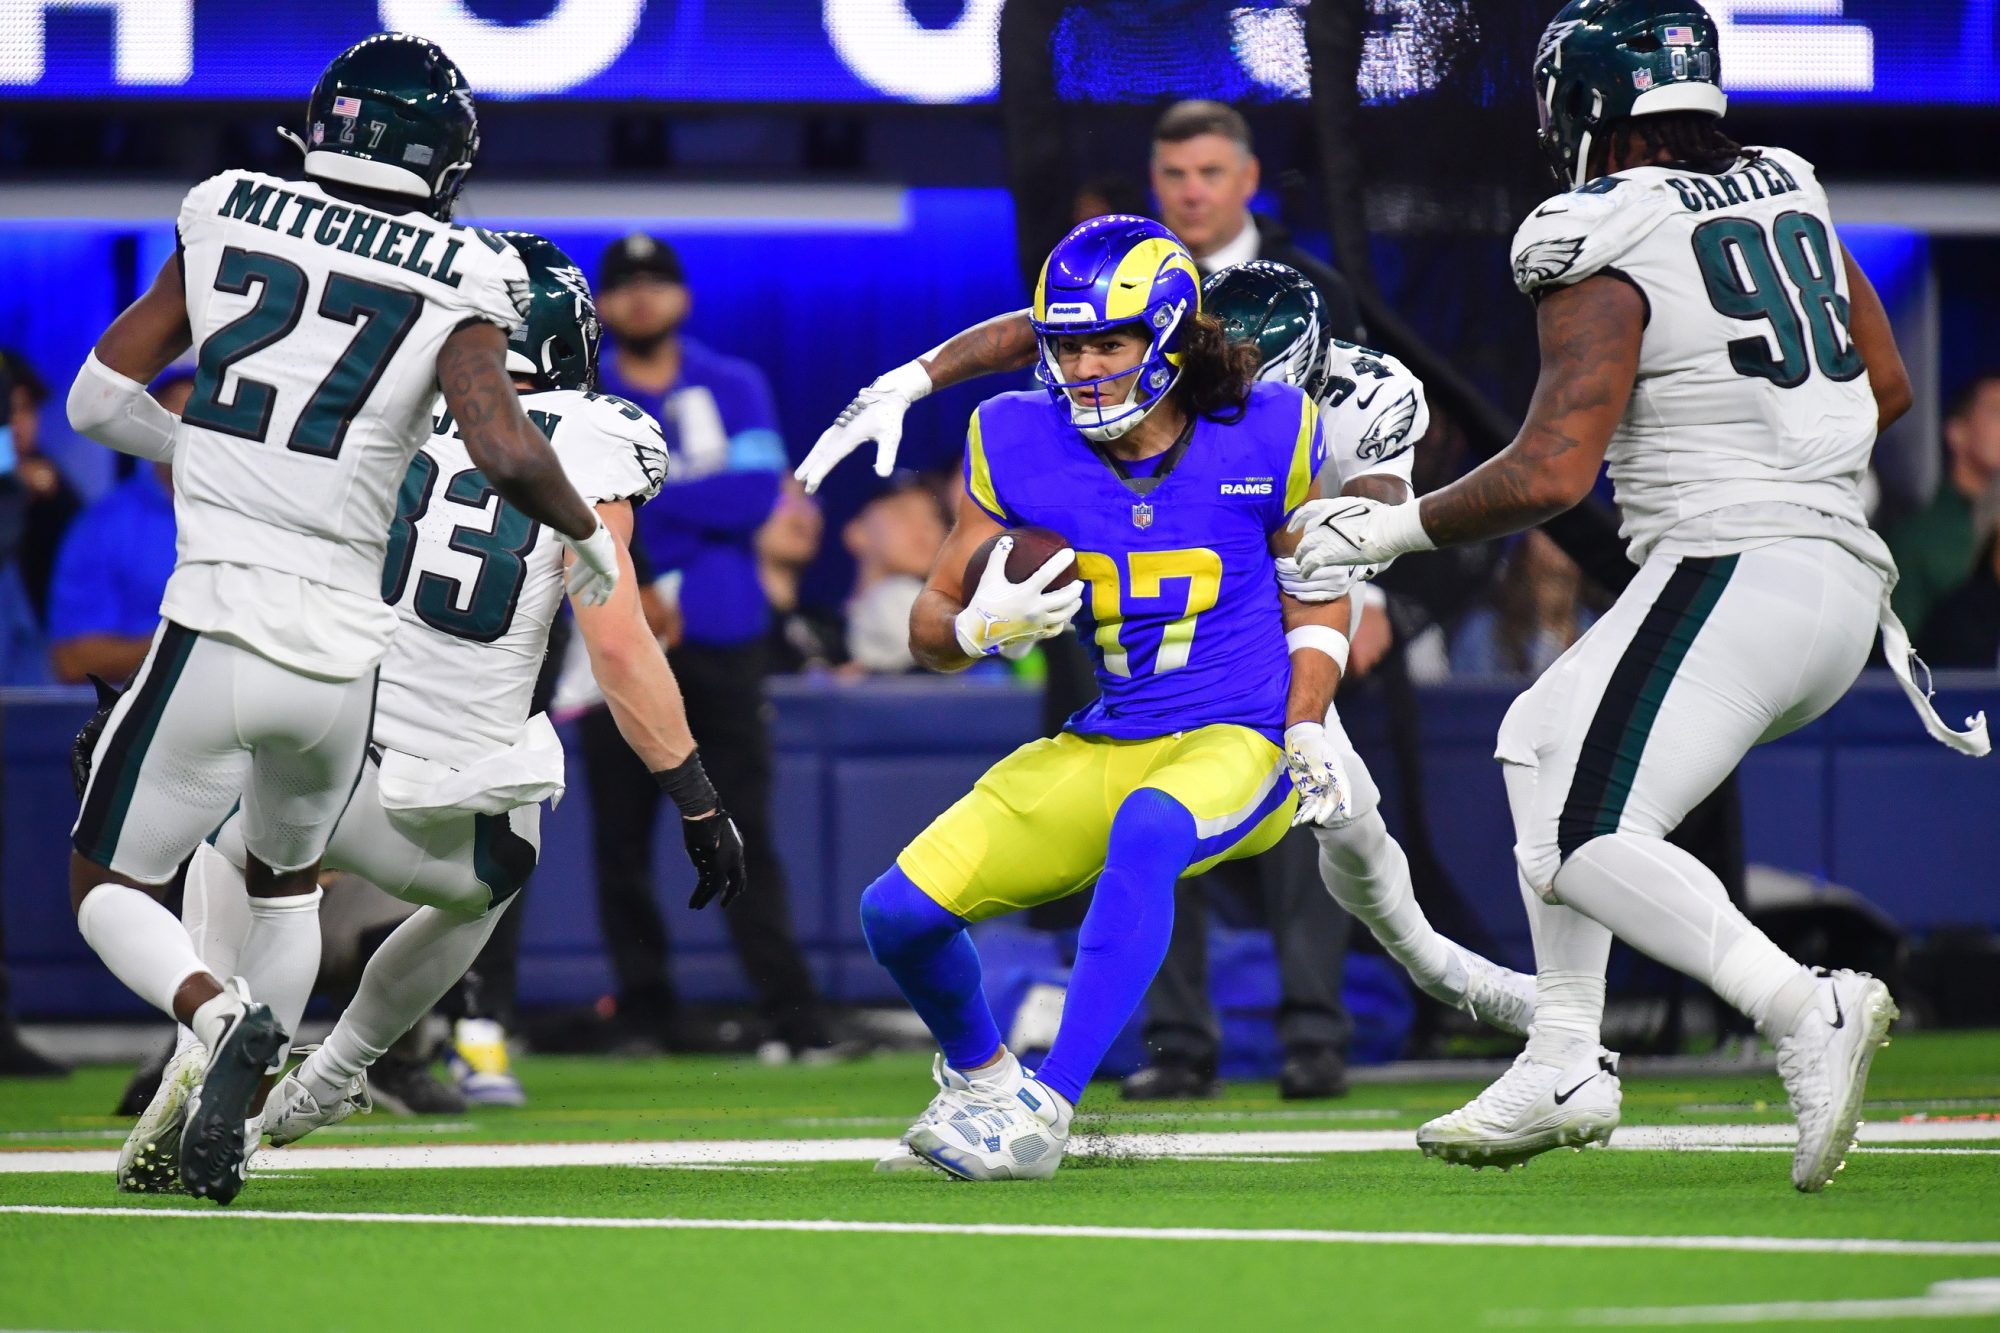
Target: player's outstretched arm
1005, 342
1876, 341
517, 458
645, 702
108, 401
1590, 335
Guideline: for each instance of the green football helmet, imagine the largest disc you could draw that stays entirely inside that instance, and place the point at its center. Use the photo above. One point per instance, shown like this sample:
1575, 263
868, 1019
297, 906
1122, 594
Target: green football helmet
1601, 61
392, 113
1276, 307
556, 345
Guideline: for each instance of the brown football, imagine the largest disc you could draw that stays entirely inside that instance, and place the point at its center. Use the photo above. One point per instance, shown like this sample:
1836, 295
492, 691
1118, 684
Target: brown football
1032, 548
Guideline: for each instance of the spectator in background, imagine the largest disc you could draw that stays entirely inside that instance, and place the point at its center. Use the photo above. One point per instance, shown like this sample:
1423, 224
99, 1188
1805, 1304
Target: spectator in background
52, 503
1101, 195
720, 423
894, 541
1963, 629
1204, 175
111, 571
786, 544
1936, 547
1536, 615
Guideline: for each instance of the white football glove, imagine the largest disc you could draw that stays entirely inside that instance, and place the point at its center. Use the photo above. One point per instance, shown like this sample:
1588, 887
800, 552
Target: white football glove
1351, 530
1001, 612
1317, 774
593, 575
875, 414
1328, 585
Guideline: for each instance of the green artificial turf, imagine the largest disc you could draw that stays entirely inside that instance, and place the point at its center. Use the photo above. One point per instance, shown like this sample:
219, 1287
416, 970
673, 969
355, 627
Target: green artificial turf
223, 1270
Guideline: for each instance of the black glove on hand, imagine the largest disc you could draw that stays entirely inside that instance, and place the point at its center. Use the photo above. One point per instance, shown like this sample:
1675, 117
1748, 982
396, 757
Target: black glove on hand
86, 740
713, 843
716, 849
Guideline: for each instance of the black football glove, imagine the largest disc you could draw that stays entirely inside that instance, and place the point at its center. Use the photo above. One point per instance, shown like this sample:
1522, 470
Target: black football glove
716, 849
86, 740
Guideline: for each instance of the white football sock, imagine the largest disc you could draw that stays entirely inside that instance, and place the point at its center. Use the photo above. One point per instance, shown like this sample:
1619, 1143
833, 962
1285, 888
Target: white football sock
1571, 953
215, 909
1367, 873
1661, 900
280, 959
1003, 1075
1571, 950
140, 941
214, 1014
421, 960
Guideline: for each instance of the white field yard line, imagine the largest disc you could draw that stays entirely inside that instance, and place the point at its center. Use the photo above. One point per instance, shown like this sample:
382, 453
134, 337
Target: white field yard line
1271, 1235
1265, 1143
1956, 1299
1956, 1249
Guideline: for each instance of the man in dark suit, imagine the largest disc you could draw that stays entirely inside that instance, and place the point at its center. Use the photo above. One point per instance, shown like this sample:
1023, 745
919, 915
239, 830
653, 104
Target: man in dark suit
1204, 173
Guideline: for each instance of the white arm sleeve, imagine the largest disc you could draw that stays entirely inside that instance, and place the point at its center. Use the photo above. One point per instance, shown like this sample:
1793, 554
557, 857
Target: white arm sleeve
118, 412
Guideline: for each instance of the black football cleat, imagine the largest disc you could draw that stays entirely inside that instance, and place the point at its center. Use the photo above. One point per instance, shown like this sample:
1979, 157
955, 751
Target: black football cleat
214, 1143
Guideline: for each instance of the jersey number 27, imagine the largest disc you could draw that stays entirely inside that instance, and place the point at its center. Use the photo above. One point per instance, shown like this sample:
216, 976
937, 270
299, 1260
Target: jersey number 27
382, 317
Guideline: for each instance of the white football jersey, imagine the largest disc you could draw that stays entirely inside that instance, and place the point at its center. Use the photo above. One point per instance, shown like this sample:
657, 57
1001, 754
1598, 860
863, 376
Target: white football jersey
475, 583
1372, 412
1752, 418
317, 326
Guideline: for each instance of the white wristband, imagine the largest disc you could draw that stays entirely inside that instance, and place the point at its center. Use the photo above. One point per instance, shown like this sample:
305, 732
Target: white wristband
1402, 530
909, 381
1321, 639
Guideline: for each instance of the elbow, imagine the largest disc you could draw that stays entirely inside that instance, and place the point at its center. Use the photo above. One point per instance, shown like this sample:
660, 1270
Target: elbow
1892, 400
1558, 492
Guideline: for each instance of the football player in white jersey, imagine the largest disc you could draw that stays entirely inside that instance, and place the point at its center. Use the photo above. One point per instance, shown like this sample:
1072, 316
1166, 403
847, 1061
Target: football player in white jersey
1704, 330
1374, 413
447, 813
325, 314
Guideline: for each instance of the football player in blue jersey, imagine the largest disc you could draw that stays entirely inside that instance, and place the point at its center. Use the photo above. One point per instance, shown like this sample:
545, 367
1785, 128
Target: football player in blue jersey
1172, 474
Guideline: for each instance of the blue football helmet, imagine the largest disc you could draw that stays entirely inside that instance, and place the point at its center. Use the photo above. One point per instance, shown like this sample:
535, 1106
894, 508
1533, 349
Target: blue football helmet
1108, 273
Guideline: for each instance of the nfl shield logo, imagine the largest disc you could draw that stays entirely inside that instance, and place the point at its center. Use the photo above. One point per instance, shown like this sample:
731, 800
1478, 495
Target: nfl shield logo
1142, 515
1642, 79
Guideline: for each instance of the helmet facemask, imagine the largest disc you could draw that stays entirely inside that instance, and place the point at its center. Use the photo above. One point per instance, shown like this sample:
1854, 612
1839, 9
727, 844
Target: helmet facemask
1147, 384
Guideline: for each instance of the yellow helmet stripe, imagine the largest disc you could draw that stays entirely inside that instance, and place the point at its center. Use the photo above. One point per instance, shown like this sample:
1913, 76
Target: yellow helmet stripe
1132, 281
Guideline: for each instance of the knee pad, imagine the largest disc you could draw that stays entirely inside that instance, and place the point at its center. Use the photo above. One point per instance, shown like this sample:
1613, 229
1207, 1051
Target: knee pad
897, 916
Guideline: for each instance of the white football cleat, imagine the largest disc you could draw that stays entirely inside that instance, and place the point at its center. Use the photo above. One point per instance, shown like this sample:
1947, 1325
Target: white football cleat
955, 1093
1015, 1136
150, 1161
1497, 996
1529, 1110
291, 1112
1824, 1063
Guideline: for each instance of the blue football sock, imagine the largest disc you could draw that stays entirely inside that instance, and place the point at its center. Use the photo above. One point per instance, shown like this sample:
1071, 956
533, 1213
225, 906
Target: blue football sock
925, 948
1124, 935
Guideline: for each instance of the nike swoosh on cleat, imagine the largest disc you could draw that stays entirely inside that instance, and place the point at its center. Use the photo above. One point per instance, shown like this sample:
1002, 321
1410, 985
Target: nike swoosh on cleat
1839, 1018
1562, 1097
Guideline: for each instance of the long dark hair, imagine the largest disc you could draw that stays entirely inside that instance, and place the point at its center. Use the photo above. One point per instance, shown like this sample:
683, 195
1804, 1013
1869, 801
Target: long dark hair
1693, 137
1216, 373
